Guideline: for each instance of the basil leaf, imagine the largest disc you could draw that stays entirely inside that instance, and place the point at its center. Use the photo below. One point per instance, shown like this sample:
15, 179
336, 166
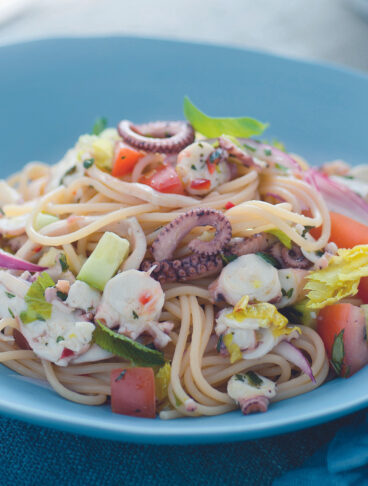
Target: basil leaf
338, 353
215, 127
120, 345
38, 307
99, 125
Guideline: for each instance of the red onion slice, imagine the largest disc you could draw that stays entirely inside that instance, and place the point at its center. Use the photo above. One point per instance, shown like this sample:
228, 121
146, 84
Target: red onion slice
295, 356
338, 197
7, 260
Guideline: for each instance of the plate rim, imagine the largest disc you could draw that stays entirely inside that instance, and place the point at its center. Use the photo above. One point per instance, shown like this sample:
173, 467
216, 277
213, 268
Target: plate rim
150, 435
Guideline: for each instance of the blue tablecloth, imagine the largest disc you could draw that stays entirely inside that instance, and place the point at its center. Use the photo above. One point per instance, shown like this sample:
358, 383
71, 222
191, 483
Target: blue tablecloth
32, 455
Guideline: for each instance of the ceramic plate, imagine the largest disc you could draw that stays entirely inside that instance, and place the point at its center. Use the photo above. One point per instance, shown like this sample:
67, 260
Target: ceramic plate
51, 91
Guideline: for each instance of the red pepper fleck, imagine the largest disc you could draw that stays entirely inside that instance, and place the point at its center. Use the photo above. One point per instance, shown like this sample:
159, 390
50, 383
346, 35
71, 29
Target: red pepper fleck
229, 205
66, 353
201, 184
145, 298
37, 249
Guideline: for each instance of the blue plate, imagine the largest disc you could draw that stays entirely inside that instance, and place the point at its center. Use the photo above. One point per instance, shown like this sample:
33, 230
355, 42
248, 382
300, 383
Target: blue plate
51, 91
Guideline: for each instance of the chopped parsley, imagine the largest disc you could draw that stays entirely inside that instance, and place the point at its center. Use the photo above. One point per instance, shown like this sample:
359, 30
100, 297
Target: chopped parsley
88, 163
59, 338
240, 377
11, 312
254, 379
63, 262
338, 353
288, 293
120, 376
69, 172
281, 167
135, 315
99, 125
306, 230
193, 167
62, 296
200, 144
228, 258
319, 253
219, 343
268, 152
249, 147
9, 295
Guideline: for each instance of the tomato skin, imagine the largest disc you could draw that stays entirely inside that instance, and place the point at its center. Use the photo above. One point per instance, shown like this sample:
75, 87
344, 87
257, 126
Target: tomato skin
229, 205
164, 179
363, 290
349, 318
125, 160
201, 184
133, 392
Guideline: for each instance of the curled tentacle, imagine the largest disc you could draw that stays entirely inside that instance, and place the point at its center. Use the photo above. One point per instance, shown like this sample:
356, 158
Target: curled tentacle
160, 136
191, 267
239, 153
167, 240
253, 244
292, 258
254, 404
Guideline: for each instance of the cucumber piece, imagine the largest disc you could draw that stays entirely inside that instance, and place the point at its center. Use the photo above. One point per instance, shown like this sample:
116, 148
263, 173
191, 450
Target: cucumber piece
104, 261
43, 219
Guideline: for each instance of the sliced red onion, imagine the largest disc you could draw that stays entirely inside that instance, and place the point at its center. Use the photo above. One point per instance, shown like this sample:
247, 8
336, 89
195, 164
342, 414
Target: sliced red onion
338, 197
295, 356
270, 154
7, 260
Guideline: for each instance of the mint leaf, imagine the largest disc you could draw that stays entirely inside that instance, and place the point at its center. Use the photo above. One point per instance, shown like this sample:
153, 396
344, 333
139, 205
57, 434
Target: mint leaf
125, 347
215, 127
38, 308
338, 353
99, 125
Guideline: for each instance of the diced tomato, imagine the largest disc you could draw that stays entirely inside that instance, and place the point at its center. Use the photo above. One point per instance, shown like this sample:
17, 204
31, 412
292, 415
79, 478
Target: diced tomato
133, 392
66, 353
165, 179
200, 184
229, 205
342, 328
145, 298
363, 290
125, 160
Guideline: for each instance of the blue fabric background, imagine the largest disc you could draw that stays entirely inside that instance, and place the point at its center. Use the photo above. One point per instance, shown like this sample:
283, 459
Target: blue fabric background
32, 455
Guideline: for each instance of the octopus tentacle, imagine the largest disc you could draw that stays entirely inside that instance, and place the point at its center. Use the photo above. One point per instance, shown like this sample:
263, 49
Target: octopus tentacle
289, 258
191, 267
254, 404
253, 244
160, 136
167, 240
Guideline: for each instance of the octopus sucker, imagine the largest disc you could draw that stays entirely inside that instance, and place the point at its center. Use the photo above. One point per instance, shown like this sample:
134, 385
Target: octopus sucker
168, 238
290, 258
253, 244
160, 136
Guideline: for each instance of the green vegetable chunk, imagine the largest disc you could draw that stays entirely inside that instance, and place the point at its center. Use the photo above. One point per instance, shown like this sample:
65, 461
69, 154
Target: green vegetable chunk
125, 347
104, 261
285, 240
215, 127
43, 219
38, 308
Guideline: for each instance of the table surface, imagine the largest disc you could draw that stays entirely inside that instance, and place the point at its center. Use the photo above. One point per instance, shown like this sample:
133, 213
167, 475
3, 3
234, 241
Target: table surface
327, 31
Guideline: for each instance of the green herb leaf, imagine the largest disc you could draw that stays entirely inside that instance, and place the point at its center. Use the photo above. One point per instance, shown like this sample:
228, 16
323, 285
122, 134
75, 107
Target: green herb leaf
99, 125
11, 312
281, 167
9, 295
193, 167
63, 263
219, 343
135, 315
61, 295
59, 339
69, 172
228, 258
338, 353
125, 347
88, 163
268, 152
269, 259
215, 127
38, 308
249, 147
306, 230
121, 376
253, 379
285, 240
240, 377
287, 294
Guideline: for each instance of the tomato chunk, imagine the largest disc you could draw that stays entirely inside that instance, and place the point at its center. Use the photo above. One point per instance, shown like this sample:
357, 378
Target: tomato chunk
165, 179
125, 160
133, 392
342, 328
200, 184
